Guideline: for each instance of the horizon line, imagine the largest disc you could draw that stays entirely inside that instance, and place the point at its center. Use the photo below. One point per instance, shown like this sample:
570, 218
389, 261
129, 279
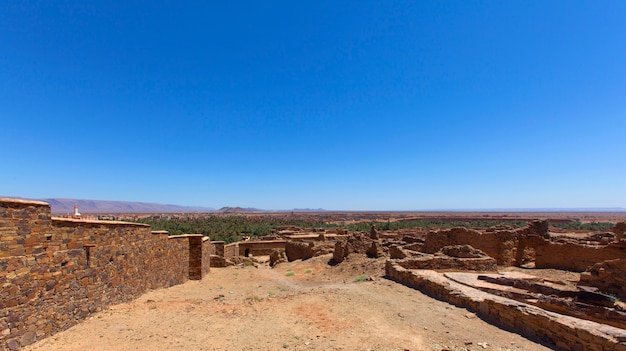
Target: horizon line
319, 209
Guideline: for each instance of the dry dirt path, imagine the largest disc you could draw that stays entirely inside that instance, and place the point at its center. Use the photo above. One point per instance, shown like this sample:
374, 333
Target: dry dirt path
303, 305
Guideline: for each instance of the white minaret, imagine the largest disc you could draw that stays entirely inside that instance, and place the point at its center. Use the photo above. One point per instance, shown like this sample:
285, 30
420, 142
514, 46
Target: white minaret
76, 214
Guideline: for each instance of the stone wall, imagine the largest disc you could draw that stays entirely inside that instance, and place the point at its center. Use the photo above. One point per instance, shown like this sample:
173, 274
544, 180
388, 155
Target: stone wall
561, 332
55, 272
231, 250
619, 229
608, 276
501, 245
576, 257
520, 246
446, 263
260, 247
207, 249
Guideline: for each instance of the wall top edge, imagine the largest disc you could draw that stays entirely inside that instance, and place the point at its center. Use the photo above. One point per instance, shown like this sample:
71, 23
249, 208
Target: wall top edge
262, 242
95, 221
23, 202
184, 236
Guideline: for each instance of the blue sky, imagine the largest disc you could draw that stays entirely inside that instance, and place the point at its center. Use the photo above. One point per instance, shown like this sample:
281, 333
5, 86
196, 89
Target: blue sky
362, 105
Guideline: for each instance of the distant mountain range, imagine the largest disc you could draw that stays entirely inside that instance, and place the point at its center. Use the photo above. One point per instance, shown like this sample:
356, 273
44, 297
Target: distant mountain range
238, 210
252, 209
66, 206
63, 206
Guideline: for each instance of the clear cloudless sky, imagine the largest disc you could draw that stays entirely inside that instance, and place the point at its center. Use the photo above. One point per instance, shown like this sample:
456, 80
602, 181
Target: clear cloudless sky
341, 105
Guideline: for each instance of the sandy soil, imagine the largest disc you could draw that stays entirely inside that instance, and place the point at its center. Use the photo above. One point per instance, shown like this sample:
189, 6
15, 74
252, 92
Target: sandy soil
302, 305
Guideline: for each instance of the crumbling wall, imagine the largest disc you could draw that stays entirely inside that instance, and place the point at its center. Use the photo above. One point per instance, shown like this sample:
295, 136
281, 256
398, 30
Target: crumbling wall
298, 250
449, 258
260, 247
608, 276
446, 263
619, 229
231, 250
356, 243
517, 247
217, 254
501, 245
576, 257
55, 272
562, 332
521, 246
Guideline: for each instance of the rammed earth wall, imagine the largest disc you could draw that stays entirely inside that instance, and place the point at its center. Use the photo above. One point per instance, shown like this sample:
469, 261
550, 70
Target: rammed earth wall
55, 272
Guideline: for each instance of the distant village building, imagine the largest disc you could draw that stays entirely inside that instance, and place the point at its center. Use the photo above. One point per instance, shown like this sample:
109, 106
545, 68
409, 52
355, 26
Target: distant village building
76, 213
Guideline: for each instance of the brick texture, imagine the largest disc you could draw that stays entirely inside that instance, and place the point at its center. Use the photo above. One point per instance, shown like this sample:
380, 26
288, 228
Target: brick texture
55, 272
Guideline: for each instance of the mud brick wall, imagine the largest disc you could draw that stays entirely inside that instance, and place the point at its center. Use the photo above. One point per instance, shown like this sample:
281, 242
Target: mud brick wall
576, 257
55, 272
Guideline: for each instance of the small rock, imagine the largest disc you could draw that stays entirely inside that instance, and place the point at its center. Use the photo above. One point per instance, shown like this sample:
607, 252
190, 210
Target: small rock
28, 338
13, 345
482, 344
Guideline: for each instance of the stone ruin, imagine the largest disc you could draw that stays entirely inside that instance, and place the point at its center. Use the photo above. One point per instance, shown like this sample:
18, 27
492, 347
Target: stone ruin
462, 266
448, 258
465, 267
284, 244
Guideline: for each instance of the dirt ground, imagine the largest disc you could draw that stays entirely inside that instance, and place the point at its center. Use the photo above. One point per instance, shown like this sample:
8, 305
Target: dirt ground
302, 305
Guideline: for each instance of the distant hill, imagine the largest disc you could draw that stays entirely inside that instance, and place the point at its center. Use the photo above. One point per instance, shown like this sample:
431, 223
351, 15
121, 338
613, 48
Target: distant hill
61, 206
238, 210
